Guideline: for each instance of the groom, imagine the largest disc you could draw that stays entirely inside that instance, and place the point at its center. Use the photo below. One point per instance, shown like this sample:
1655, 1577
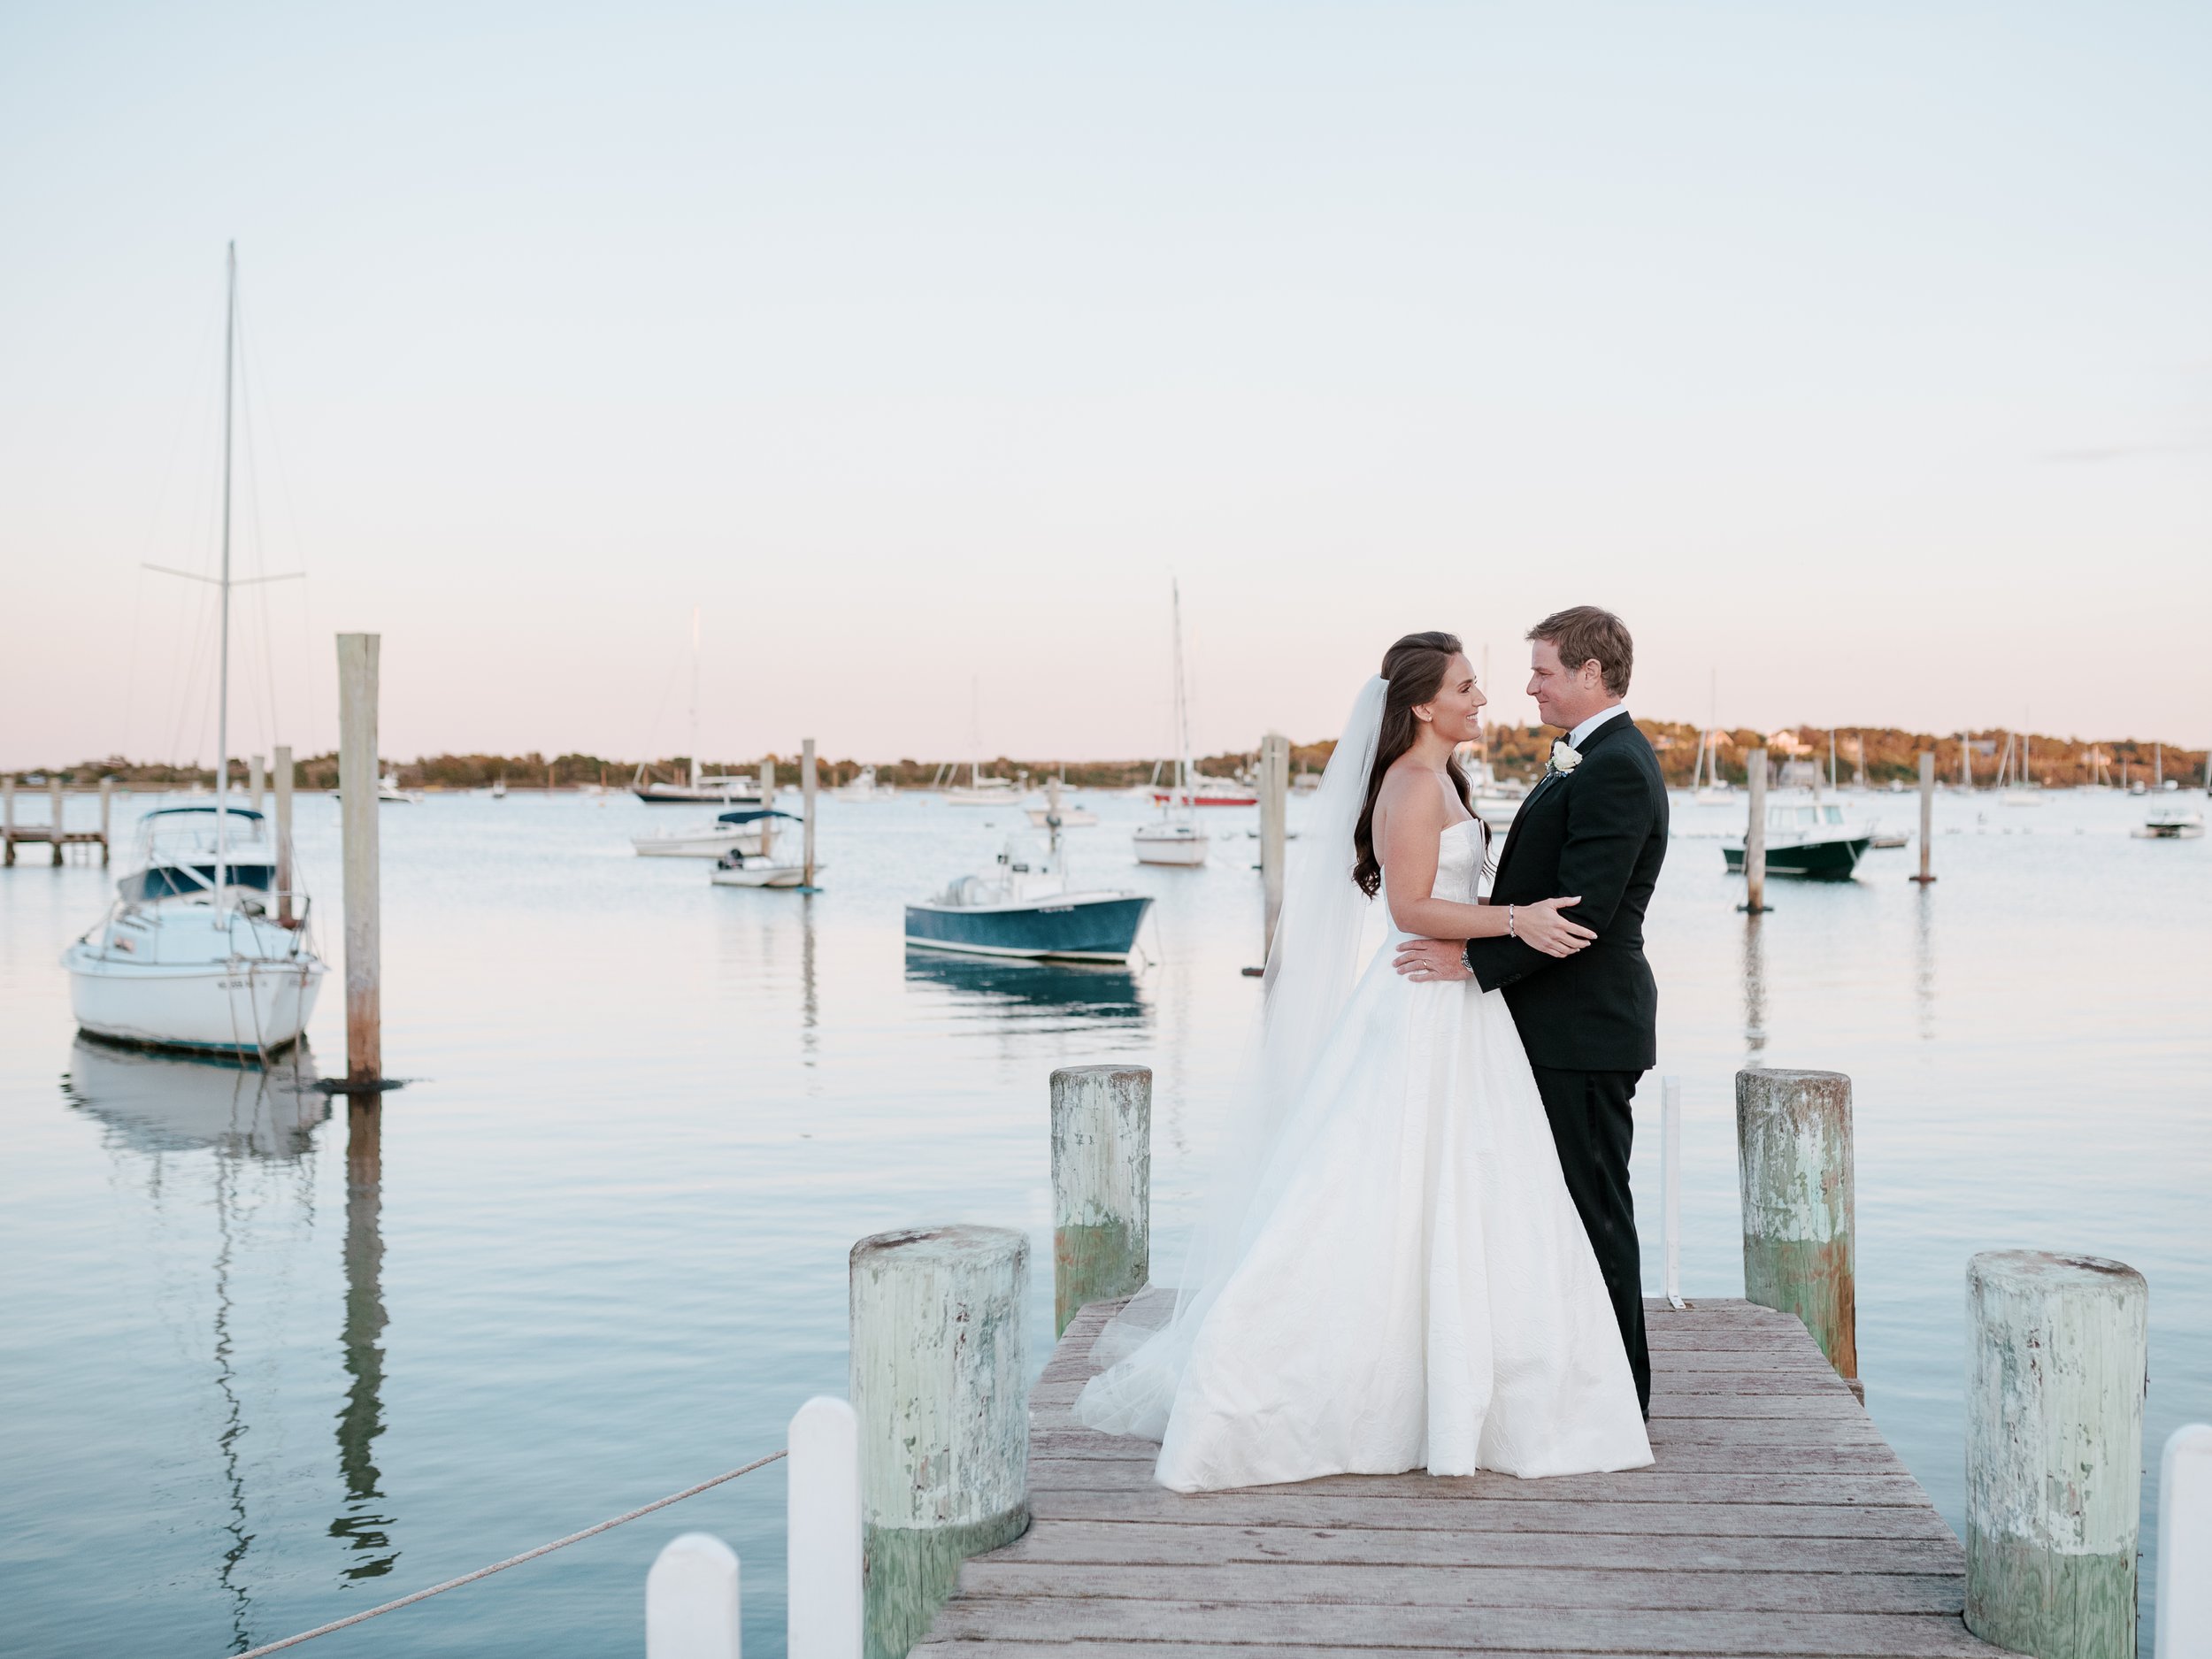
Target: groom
1594, 826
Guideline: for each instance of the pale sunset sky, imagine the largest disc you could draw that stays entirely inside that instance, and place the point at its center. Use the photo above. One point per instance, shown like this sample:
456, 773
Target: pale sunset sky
1858, 355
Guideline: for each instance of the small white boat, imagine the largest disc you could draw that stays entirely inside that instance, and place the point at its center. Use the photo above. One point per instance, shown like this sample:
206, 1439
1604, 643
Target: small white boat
743, 832
2171, 824
499, 790
1025, 908
389, 793
767, 868
1056, 814
982, 791
864, 787
188, 956
1175, 840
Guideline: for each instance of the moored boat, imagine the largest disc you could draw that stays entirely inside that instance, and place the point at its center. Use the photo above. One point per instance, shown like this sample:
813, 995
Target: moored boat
1175, 839
743, 832
1809, 839
2171, 824
1024, 907
204, 946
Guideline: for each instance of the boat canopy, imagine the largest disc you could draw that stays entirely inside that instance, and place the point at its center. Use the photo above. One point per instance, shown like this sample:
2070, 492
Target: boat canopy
752, 817
172, 811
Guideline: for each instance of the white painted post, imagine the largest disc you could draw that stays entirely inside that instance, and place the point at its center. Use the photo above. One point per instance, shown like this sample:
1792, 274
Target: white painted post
806, 810
1102, 1185
768, 782
691, 1601
1755, 839
822, 1532
107, 817
358, 655
2057, 1360
1927, 817
941, 1382
2184, 1545
282, 779
256, 777
1274, 821
1671, 1183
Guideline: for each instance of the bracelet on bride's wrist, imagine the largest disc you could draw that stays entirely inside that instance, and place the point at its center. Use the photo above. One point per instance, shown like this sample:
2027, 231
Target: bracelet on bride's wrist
1509, 931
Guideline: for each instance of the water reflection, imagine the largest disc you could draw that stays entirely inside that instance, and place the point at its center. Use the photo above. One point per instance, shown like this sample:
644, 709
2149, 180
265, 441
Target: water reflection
1083, 994
163, 1105
361, 1525
158, 1103
1924, 977
1754, 990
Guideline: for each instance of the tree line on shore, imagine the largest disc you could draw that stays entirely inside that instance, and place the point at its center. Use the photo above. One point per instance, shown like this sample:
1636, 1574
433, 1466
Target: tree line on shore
1881, 754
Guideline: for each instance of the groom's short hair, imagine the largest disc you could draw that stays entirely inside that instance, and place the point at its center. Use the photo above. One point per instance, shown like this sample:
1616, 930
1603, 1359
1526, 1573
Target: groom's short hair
1581, 632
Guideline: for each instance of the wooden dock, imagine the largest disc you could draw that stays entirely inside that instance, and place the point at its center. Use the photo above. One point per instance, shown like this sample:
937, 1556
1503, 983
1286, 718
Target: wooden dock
55, 833
1776, 1520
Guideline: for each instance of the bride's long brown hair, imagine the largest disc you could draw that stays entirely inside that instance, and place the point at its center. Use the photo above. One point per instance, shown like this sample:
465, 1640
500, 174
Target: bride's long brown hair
1414, 668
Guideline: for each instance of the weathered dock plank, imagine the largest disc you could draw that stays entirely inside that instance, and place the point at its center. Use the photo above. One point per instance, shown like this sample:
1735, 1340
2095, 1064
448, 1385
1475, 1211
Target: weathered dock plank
1776, 1520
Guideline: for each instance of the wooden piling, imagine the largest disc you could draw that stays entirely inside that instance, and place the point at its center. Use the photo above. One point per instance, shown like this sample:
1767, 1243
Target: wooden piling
282, 779
806, 810
1101, 1185
768, 781
940, 1383
1927, 817
1755, 839
1274, 833
53, 785
2055, 1370
7, 817
257, 776
1793, 1162
2184, 1545
107, 819
358, 655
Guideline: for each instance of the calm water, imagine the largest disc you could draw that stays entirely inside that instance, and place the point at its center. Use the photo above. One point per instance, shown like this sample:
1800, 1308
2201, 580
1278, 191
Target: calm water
648, 1118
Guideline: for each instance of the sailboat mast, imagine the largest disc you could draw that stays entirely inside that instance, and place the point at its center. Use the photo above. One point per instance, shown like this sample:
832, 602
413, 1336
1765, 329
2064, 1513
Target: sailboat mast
222, 695
1182, 701
694, 696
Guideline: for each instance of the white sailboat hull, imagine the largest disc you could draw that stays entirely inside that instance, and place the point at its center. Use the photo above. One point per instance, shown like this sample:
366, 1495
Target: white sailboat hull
764, 875
1171, 844
241, 1006
701, 843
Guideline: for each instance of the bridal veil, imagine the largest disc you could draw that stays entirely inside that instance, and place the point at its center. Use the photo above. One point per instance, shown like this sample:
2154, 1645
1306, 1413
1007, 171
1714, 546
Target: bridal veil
1311, 970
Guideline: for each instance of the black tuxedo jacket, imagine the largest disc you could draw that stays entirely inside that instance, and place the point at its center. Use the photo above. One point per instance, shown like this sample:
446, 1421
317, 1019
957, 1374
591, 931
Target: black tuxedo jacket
1601, 831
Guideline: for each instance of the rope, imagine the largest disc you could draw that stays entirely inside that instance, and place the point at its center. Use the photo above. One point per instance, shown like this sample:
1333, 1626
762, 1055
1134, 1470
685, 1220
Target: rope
511, 1560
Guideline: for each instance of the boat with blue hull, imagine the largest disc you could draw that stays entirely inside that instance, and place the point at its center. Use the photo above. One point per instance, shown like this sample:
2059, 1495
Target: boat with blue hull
1024, 907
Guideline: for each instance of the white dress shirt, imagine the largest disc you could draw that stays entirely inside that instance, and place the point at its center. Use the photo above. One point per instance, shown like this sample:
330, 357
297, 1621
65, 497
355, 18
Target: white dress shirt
1575, 737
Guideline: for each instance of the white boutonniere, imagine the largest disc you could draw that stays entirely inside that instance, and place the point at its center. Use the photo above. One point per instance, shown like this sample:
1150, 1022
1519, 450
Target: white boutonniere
1564, 757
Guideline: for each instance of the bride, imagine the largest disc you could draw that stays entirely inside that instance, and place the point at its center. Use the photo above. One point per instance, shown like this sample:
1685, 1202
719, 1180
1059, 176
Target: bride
1389, 1273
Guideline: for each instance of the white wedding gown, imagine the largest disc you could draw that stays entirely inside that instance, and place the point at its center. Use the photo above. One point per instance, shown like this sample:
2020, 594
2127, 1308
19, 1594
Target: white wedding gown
1415, 1289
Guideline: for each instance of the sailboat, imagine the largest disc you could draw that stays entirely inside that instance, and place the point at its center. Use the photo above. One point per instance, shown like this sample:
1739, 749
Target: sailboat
1176, 838
190, 955
1708, 787
730, 789
2015, 787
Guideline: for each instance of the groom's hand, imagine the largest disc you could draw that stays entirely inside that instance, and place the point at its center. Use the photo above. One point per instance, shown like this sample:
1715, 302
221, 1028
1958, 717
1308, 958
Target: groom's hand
1434, 959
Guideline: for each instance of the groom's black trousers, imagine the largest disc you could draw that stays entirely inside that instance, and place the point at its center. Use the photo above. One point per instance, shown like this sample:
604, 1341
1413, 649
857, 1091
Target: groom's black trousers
1593, 1127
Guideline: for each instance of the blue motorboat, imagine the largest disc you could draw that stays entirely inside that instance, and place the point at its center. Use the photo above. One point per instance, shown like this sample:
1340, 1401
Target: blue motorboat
1024, 907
